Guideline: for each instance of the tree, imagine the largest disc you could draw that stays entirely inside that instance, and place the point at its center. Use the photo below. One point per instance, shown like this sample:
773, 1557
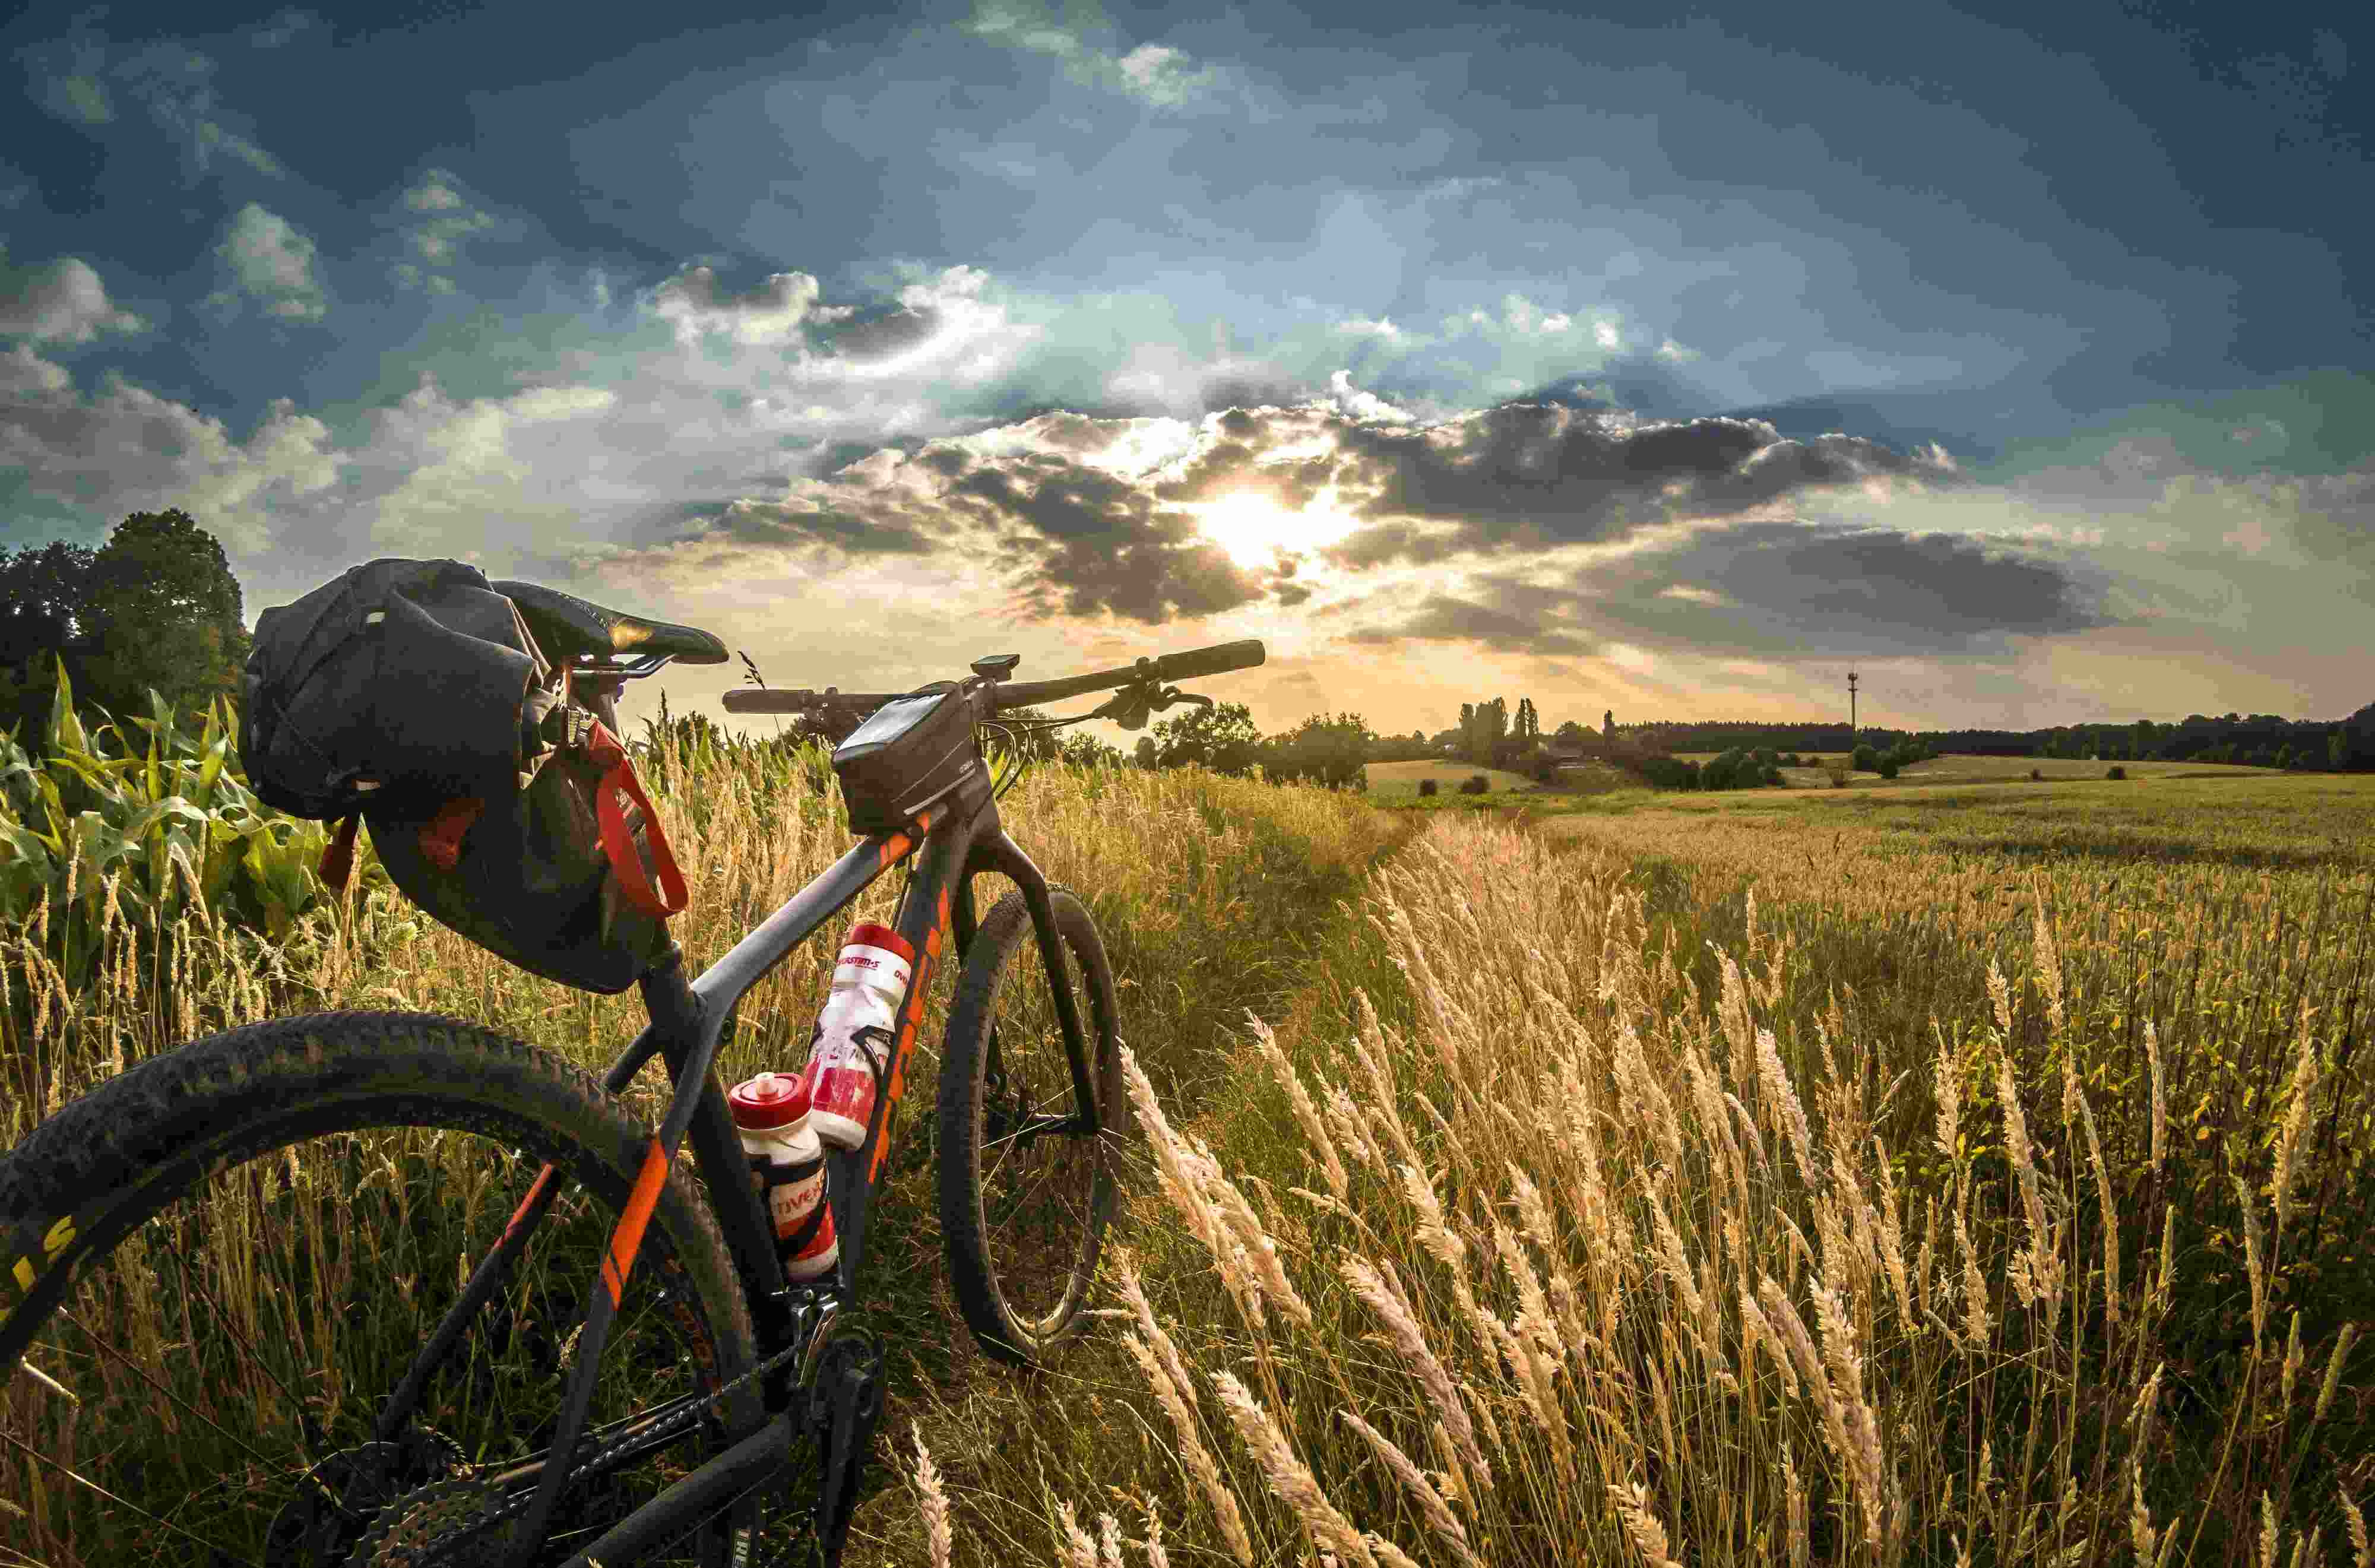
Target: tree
1221, 739
2337, 751
154, 609
1570, 734
1146, 752
1333, 752
166, 611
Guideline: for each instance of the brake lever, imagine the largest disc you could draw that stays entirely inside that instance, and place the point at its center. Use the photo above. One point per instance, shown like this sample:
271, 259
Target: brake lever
1131, 706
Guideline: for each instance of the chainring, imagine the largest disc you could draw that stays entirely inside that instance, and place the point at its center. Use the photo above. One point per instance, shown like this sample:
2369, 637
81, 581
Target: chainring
339, 1498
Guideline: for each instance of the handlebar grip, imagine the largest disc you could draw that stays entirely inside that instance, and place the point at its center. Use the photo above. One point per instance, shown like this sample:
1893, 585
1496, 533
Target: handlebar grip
768, 699
1217, 660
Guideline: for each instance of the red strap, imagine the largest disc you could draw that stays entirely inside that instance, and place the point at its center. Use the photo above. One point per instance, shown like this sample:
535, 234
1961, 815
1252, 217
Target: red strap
605, 751
441, 838
338, 856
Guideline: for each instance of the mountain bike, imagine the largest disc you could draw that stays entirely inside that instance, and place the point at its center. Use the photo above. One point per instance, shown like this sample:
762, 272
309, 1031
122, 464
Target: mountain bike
391, 1289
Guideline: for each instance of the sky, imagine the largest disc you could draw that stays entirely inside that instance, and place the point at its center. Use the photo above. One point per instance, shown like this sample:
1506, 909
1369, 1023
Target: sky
1670, 362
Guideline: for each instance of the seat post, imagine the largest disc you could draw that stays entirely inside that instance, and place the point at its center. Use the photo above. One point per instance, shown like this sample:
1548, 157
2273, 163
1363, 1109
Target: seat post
599, 693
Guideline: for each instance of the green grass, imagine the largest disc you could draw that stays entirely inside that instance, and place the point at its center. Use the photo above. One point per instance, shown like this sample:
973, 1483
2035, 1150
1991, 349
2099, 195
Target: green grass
1391, 782
1955, 768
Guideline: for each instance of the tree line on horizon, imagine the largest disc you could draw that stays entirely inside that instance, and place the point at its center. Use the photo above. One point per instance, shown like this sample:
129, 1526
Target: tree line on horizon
157, 607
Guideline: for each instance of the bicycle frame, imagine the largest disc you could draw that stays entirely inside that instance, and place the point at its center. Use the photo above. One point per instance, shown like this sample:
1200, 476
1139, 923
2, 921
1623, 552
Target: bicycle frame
949, 845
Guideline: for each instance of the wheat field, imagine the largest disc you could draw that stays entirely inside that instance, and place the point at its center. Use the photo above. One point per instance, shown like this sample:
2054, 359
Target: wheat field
1974, 1178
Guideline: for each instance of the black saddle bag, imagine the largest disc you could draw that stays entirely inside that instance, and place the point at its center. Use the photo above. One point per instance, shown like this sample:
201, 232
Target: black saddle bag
411, 695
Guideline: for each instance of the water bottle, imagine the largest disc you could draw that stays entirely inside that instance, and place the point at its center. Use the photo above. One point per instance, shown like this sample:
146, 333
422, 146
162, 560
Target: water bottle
850, 1053
788, 1166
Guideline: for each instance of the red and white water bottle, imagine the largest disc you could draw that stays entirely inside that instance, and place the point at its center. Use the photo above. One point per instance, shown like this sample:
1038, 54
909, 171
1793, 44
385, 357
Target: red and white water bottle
788, 1166
850, 1054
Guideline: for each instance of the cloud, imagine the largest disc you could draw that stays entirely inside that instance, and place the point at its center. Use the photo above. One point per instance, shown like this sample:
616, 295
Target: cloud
271, 261
127, 449
1790, 591
81, 98
1442, 617
282, 28
1526, 475
176, 84
1359, 404
63, 302
436, 218
694, 303
1154, 73
481, 472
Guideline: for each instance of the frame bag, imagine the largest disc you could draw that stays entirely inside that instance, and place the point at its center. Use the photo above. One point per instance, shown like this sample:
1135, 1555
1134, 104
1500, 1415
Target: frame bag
411, 695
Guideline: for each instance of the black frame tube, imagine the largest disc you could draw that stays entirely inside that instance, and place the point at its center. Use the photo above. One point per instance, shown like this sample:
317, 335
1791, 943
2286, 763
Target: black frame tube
687, 1025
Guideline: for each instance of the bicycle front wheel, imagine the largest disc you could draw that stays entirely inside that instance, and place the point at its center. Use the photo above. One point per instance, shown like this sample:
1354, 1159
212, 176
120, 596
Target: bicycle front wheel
1025, 1188
214, 1269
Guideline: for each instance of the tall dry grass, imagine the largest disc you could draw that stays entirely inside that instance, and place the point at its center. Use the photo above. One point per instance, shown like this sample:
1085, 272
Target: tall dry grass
1210, 891
1605, 1245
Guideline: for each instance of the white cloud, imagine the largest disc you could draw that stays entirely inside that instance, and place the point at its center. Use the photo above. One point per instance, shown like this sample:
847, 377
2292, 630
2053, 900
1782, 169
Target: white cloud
63, 302
440, 218
435, 194
1604, 333
493, 470
127, 449
1362, 405
24, 375
274, 263
692, 302
1158, 75
1674, 352
1152, 73
1378, 329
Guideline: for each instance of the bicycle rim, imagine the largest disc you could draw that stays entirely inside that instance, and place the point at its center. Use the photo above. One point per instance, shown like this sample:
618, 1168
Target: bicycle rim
1037, 1201
206, 1385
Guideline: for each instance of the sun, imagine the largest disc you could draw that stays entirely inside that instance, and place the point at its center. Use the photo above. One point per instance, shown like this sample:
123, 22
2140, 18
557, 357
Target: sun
1253, 529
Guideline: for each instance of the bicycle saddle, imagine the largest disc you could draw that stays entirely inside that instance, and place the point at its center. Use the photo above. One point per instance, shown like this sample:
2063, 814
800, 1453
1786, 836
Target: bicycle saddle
566, 627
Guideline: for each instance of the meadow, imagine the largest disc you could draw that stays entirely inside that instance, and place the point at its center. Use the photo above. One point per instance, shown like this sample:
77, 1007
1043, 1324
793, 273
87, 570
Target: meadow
1389, 781
1959, 1173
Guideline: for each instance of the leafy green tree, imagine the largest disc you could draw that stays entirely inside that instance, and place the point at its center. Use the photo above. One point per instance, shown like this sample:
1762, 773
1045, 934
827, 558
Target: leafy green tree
154, 609
1333, 752
166, 611
1222, 738
1864, 759
1145, 752
2337, 751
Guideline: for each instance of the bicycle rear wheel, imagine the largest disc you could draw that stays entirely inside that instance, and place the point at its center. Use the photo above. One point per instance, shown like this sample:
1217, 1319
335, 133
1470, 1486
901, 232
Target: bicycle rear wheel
1024, 1200
214, 1269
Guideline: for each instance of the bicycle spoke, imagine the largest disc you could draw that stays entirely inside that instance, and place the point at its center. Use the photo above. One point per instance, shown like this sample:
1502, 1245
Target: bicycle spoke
129, 1364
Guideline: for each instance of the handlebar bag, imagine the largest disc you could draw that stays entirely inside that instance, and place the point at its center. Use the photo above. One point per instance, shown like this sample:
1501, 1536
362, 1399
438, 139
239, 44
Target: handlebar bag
412, 696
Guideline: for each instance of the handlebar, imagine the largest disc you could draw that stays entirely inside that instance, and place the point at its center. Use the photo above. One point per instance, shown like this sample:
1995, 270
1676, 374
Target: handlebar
1218, 659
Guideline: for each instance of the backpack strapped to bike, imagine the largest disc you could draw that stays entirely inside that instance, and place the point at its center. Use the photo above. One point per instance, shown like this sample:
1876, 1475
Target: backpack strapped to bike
414, 697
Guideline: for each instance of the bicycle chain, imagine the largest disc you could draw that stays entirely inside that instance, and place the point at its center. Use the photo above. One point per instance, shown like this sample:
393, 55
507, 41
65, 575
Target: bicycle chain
427, 1507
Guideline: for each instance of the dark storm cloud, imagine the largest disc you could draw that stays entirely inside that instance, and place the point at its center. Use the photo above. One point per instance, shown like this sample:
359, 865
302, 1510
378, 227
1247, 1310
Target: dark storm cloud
878, 333
1087, 540
1442, 619
1525, 475
860, 532
1784, 590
